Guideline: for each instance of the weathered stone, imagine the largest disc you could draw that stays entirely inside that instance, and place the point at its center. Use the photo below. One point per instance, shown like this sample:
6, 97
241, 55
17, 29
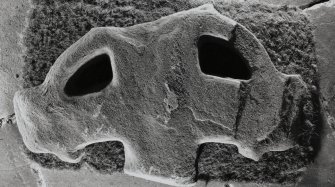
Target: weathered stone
322, 172
86, 177
145, 86
323, 17
12, 24
292, 3
15, 167
298, 3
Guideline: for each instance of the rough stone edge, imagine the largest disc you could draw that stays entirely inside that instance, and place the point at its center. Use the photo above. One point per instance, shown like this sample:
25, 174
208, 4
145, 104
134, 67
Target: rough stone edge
20, 43
328, 131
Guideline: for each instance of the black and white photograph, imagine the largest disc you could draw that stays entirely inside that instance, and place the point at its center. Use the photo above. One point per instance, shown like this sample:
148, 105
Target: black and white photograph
167, 93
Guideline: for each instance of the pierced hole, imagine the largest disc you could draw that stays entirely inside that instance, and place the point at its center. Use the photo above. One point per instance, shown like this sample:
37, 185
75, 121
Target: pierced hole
91, 77
218, 57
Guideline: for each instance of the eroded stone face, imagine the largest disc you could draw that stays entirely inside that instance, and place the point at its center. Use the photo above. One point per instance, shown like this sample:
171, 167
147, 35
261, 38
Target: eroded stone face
158, 89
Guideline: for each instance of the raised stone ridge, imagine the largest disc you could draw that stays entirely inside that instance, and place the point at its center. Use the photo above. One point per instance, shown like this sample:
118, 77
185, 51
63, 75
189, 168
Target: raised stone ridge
144, 86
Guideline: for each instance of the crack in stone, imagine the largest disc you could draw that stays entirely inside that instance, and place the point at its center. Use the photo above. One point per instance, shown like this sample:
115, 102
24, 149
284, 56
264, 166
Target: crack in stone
309, 5
286, 119
196, 162
205, 119
243, 93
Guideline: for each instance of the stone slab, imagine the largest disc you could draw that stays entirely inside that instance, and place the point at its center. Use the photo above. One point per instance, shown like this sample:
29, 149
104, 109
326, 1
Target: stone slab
298, 3
159, 102
15, 168
13, 20
322, 172
295, 3
85, 177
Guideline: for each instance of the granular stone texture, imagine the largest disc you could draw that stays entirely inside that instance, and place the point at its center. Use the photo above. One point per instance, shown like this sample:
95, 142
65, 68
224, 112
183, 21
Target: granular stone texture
106, 157
274, 27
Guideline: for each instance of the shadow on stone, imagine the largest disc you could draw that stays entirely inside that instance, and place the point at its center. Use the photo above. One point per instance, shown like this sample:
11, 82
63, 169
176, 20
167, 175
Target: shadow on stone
218, 57
91, 77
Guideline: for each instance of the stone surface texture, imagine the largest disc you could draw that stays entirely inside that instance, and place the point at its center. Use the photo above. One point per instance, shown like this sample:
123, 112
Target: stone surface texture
292, 3
159, 104
322, 172
87, 178
15, 167
285, 33
298, 3
14, 15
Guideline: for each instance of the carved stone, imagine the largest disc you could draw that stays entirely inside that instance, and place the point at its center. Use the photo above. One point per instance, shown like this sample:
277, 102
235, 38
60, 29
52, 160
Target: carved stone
163, 88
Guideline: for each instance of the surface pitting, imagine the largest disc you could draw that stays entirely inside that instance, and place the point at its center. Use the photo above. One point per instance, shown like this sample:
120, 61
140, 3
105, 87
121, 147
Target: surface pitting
156, 64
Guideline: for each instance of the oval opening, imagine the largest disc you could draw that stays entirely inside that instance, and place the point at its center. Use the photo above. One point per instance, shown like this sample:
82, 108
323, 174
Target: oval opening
93, 76
218, 57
